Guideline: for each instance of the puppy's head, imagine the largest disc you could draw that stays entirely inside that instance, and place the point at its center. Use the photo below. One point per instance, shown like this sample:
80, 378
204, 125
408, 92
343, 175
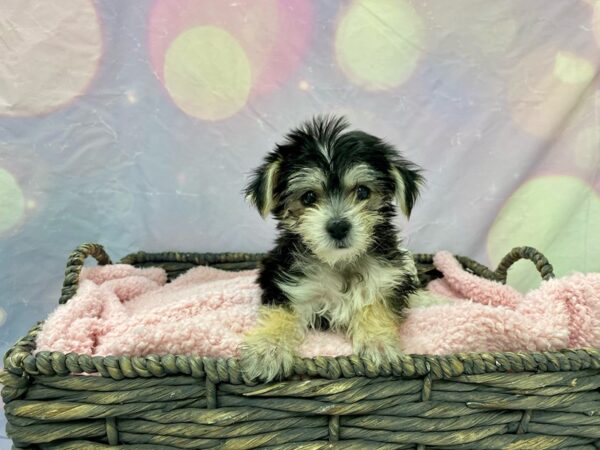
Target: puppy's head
332, 187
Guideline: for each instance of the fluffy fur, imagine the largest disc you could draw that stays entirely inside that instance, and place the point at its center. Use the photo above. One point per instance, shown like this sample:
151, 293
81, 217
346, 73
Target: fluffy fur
337, 261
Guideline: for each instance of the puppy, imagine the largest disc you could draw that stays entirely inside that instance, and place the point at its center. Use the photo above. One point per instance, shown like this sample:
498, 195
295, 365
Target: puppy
337, 262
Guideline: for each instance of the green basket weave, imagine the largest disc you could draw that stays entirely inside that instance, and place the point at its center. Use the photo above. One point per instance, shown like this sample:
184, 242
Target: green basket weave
463, 401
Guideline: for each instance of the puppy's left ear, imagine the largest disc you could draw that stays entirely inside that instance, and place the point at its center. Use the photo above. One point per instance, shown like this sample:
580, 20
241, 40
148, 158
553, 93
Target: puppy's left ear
409, 181
260, 191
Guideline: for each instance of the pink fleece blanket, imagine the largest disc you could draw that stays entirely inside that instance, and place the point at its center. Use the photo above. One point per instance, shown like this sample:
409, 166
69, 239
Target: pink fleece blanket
122, 310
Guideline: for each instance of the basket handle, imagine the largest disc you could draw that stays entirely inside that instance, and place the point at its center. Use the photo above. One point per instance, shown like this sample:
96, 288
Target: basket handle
542, 264
75, 264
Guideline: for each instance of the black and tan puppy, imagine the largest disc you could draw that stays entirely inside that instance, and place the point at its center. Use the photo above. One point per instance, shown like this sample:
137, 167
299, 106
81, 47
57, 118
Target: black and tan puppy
337, 261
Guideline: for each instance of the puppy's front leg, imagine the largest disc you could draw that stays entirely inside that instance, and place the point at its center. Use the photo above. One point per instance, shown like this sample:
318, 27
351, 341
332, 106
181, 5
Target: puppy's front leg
268, 350
374, 333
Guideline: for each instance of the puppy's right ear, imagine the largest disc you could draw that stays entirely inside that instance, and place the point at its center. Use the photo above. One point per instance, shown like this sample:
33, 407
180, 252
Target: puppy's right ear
408, 179
260, 191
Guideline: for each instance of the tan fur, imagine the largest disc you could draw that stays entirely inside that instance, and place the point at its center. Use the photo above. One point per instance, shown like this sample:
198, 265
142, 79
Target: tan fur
374, 333
269, 200
307, 179
269, 349
400, 199
352, 297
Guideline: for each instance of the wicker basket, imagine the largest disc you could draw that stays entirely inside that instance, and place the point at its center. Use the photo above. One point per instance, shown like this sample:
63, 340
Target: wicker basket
463, 401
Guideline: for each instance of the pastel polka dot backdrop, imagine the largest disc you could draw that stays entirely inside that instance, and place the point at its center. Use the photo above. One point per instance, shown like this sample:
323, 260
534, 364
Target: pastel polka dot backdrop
557, 213
250, 40
135, 124
12, 203
545, 87
50, 54
596, 19
207, 73
587, 148
378, 43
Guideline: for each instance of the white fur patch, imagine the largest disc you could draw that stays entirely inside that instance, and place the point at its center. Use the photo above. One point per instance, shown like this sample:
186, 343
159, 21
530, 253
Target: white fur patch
360, 174
324, 151
322, 290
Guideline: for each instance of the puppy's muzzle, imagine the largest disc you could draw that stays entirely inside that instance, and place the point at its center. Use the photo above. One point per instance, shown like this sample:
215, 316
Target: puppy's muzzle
338, 229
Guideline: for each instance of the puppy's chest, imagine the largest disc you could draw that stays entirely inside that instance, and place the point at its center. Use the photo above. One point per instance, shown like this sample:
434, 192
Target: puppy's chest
337, 295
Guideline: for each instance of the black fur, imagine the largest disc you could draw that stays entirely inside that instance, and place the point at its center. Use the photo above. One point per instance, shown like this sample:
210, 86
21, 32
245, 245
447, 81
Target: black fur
303, 149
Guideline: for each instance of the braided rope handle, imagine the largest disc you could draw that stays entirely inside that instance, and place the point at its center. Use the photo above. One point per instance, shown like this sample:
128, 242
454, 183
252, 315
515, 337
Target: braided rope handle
75, 264
77, 258
542, 264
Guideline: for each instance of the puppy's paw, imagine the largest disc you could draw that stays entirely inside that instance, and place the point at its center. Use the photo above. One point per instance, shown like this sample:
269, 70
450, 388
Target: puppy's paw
374, 332
265, 359
380, 353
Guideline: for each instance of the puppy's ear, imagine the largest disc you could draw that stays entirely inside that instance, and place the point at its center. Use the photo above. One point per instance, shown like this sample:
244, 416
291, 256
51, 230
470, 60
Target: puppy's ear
260, 190
408, 179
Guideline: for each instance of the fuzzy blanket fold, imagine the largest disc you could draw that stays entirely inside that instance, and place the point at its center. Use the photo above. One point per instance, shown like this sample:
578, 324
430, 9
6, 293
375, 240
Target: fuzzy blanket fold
122, 310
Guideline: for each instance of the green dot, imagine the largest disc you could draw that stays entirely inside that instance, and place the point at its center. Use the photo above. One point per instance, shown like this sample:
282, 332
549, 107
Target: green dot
207, 73
378, 43
558, 215
572, 69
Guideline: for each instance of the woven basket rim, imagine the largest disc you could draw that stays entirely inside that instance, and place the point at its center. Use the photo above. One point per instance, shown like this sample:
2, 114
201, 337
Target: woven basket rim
20, 359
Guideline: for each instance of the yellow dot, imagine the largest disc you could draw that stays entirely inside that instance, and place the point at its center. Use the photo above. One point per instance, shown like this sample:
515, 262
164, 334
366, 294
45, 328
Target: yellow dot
378, 43
12, 203
131, 97
31, 204
572, 69
303, 85
558, 215
207, 73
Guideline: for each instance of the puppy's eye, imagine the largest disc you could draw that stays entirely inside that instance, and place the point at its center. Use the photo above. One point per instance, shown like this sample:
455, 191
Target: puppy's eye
362, 192
309, 198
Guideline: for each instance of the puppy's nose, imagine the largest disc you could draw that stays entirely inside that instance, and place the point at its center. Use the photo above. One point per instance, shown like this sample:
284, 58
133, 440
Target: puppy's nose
338, 228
